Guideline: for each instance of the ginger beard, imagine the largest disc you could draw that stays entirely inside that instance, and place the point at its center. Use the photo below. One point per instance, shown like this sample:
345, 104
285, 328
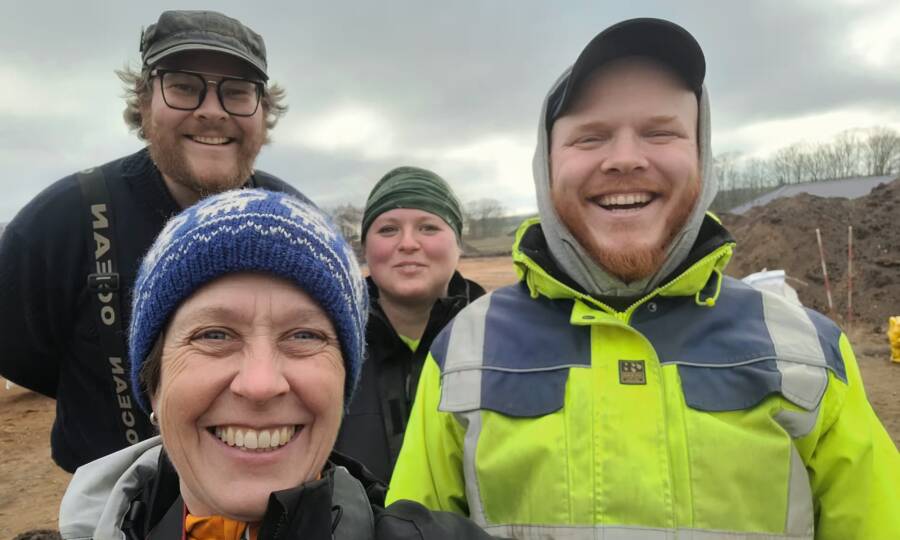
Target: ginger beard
625, 165
637, 261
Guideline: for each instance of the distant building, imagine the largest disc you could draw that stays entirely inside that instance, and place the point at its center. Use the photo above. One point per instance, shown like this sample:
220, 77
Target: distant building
848, 188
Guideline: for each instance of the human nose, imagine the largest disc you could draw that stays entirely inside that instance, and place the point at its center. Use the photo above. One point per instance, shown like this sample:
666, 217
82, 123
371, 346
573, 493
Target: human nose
211, 106
260, 377
408, 240
625, 155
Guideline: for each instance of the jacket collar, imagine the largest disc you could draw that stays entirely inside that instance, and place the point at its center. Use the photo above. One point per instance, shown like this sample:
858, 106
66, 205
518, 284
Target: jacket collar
459, 290
459, 287
135, 490
706, 260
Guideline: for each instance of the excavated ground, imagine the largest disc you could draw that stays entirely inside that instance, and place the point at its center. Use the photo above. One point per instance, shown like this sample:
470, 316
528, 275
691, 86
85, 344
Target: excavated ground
782, 235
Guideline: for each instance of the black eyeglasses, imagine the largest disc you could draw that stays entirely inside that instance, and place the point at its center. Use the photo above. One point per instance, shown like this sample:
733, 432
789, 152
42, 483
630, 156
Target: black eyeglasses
186, 90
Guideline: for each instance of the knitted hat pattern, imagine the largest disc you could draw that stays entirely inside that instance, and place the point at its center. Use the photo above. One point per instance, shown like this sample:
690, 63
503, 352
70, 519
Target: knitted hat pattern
249, 230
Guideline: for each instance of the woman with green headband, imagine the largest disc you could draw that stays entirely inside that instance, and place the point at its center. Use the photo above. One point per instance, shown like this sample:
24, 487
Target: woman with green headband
411, 231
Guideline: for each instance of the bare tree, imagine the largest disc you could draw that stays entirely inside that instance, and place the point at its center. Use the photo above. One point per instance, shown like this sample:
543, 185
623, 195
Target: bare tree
348, 219
817, 163
483, 217
726, 166
788, 164
846, 153
757, 173
882, 148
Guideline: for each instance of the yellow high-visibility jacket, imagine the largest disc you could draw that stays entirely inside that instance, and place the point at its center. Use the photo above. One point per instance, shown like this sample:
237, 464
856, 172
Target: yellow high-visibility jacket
705, 410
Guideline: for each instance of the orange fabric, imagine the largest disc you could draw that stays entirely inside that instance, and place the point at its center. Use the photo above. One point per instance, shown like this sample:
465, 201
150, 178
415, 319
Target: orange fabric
215, 527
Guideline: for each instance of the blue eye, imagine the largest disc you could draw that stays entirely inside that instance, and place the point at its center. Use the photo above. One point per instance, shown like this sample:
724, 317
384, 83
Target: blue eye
213, 334
308, 335
305, 342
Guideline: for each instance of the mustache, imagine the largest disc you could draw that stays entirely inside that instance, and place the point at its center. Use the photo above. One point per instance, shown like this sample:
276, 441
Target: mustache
617, 185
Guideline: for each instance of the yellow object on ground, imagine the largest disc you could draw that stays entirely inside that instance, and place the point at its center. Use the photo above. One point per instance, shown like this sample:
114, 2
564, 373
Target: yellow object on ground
894, 336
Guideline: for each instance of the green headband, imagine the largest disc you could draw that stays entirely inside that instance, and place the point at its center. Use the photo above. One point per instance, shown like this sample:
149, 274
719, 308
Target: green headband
412, 187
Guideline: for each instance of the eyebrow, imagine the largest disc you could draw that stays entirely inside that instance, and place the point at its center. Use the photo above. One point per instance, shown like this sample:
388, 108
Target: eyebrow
658, 119
393, 220
663, 119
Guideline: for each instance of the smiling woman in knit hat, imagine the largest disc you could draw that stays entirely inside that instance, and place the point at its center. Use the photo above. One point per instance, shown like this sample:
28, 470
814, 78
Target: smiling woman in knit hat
411, 230
246, 342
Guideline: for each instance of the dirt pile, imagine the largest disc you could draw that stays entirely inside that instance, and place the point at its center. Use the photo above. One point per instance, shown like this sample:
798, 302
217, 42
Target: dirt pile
782, 235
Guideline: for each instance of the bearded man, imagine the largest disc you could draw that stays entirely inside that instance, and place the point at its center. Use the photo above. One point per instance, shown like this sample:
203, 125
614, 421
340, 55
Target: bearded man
202, 103
625, 388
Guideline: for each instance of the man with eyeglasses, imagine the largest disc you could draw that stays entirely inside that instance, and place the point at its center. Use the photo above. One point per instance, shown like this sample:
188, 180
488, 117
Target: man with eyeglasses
202, 103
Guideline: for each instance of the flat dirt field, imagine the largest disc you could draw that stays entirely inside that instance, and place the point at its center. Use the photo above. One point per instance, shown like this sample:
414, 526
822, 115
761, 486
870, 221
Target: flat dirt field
31, 486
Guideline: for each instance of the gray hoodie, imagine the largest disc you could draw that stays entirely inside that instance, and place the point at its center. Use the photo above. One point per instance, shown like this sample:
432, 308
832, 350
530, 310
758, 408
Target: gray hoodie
573, 258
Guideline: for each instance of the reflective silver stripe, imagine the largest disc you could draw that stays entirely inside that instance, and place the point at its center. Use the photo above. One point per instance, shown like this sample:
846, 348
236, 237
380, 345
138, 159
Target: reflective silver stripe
797, 424
804, 379
461, 391
803, 384
800, 516
600, 532
461, 374
472, 422
802, 364
792, 333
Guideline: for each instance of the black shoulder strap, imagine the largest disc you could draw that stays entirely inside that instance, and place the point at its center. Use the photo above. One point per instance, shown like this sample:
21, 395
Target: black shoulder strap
105, 288
171, 526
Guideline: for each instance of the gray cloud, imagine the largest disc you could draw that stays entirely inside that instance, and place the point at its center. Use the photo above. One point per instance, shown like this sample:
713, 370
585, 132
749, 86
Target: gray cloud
443, 78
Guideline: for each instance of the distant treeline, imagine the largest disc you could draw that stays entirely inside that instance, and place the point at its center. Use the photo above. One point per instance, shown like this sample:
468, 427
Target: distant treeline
851, 154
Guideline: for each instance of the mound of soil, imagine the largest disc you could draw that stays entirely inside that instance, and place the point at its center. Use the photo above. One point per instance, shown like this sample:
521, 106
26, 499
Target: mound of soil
782, 235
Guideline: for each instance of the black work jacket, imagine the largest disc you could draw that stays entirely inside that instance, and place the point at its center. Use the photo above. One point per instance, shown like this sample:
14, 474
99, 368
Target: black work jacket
373, 428
346, 503
49, 339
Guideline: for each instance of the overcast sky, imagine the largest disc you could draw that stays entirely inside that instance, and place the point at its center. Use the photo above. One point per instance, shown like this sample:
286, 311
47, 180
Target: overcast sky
451, 86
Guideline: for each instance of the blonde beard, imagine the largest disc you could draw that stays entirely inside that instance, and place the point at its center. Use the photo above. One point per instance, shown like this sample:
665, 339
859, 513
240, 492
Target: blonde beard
172, 163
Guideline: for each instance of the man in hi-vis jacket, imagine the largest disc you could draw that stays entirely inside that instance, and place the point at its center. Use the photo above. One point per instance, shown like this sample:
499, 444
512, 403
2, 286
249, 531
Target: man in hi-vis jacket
625, 388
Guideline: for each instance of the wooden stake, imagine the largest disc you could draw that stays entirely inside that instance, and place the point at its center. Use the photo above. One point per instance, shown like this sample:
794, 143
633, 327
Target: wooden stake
825, 273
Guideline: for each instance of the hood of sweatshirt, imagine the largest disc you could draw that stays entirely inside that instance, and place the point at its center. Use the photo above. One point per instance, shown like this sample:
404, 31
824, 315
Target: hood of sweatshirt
574, 259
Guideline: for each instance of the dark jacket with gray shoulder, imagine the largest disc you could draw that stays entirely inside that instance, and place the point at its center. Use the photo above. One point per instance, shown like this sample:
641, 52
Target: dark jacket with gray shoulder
133, 494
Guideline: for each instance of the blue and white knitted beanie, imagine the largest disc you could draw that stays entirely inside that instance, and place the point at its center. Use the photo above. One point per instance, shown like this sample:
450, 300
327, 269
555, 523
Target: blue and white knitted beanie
249, 230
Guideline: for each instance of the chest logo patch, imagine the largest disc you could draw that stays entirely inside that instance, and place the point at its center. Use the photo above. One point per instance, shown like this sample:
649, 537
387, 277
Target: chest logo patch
632, 372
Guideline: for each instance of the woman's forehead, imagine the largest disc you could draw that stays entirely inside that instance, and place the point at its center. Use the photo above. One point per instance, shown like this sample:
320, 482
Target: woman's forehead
406, 214
247, 295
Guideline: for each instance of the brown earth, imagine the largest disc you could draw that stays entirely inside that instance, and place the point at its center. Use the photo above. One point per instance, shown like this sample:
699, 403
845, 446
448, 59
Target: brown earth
31, 486
782, 235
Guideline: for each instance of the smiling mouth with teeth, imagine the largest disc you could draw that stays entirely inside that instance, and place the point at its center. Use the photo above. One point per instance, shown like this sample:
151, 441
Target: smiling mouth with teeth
624, 201
210, 140
258, 440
